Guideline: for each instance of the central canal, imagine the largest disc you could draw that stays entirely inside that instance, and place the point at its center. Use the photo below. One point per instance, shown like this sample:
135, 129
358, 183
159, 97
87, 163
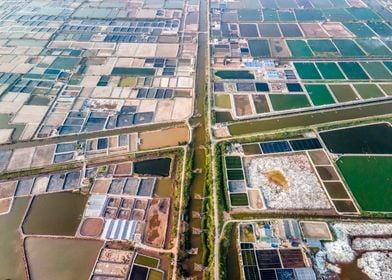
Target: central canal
199, 142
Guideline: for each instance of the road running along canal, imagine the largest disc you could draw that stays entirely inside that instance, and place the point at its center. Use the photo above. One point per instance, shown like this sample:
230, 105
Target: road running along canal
199, 142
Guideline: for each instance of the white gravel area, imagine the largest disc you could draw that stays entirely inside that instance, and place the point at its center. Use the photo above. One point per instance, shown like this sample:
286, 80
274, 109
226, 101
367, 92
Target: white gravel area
304, 190
377, 265
371, 244
342, 250
364, 229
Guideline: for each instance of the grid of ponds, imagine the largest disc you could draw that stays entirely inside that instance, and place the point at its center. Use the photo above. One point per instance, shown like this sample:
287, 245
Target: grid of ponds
263, 37
56, 58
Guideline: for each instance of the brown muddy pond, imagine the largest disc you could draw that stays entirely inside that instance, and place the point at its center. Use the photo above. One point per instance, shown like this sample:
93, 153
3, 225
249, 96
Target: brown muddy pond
55, 214
61, 259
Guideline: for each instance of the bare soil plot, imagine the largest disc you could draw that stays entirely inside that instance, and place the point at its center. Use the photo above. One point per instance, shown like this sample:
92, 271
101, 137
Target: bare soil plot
316, 230
279, 48
319, 157
164, 110
141, 204
91, 227
327, 173
182, 108
21, 158
337, 29
313, 30
7, 189
110, 270
43, 155
255, 200
123, 169
163, 138
101, 186
242, 105
5, 205
157, 221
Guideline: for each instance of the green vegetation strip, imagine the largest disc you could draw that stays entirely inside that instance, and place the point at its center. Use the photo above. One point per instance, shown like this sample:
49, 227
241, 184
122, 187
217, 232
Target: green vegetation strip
228, 253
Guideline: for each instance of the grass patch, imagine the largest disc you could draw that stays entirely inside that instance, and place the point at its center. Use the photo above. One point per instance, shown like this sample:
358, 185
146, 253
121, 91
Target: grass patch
223, 101
127, 82
155, 275
147, 261
228, 253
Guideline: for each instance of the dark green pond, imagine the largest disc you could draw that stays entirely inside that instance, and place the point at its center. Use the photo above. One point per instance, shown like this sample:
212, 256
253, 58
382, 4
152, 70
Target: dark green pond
221, 117
369, 139
124, 71
234, 75
154, 167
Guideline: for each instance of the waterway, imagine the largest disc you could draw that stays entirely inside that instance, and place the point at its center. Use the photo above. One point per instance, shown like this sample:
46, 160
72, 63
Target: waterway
308, 119
199, 141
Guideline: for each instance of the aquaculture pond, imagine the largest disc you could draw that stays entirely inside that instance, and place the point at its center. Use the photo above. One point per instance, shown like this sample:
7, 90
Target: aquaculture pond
61, 259
373, 193
319, 94
233, 75
307, 71
55, 214
299, 48
288, 101
367, 91
11, 264
366, 139
330, 71
124, 71
154, 167
221, 117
